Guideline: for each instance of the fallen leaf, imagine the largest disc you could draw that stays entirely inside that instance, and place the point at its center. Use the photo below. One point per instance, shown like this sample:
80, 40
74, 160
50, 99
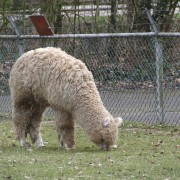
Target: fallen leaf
7, 176
99, 165
80, 172
159, 142
162, 152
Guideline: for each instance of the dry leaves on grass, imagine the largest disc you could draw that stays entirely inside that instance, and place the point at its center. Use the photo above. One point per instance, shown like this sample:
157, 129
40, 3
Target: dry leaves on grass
158, 143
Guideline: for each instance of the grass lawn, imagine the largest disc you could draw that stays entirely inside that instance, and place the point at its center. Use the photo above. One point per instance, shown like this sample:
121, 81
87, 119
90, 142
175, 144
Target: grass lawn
145, 152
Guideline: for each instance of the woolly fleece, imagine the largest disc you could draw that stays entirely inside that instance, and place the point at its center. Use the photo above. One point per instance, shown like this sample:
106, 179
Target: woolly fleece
50, 77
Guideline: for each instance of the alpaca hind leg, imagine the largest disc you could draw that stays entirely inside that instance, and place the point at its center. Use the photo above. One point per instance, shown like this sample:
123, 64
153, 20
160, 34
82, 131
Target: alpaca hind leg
20, 117
65, 130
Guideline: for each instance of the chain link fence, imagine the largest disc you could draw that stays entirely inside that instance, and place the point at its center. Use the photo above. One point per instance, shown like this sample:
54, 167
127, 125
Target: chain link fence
137, 74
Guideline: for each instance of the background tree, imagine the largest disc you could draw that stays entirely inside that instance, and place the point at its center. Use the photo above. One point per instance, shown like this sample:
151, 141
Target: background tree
58, 17
164, 12
137, 19
5, 5
53, 11
113, 29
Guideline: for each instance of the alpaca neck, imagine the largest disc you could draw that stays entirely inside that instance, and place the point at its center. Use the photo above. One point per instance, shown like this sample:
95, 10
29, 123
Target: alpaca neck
90, 116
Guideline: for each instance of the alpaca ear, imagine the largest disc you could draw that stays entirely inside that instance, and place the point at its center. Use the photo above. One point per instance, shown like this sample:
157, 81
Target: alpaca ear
119, 121
106, 122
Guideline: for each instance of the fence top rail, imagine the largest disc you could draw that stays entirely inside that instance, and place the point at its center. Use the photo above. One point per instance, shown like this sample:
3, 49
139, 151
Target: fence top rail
151, 34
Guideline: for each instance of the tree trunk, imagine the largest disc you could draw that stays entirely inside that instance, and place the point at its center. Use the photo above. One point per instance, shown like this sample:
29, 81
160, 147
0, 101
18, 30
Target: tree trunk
138, 22
112, 45
113, 22
59, 19
137, 18
163, 14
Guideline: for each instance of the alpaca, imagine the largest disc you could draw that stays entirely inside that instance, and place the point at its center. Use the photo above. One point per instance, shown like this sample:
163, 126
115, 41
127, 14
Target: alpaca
49, 77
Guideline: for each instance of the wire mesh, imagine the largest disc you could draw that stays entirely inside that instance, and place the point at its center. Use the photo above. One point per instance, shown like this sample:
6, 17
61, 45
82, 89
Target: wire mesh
124, 69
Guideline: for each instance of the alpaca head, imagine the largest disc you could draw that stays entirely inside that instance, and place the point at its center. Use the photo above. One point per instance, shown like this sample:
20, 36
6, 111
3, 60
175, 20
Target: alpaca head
107, 136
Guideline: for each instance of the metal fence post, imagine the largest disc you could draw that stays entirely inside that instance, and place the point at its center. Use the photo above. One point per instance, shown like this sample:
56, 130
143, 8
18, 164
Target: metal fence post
159, 69
21, 47
159, 80
18, 33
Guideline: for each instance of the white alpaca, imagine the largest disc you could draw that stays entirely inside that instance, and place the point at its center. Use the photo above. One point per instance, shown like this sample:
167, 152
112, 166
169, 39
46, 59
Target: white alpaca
50, 77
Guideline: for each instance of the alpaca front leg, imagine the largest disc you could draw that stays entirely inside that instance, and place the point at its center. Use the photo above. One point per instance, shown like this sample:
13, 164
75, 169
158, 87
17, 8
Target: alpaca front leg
21, 134
36, 136
34, 126
65, 130
66, 137
23, 142
39, 142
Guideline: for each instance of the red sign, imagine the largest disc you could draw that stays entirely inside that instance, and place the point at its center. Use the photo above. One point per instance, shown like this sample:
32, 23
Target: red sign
42, 26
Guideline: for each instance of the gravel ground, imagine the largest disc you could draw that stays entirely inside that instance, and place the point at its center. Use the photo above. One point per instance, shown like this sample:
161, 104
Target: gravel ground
131, 105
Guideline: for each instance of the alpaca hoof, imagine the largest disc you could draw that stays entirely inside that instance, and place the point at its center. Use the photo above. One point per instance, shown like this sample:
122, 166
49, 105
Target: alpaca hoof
39, 144
114, 146
104, 147
69, 148
25, 144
